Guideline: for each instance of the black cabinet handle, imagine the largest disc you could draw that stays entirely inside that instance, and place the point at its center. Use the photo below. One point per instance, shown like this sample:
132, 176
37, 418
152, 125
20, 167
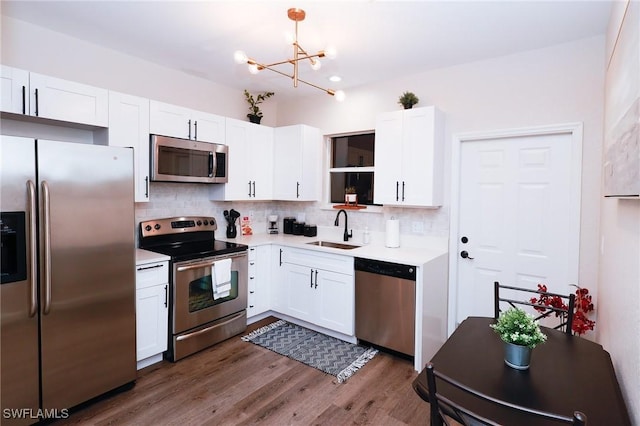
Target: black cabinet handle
311, 278
37, 102
249, 188
166, 296
142, 268
146, 184
189, 124
316, 279
397, 190
24, 99
195, 130
254, 189
280, 257
297, 189
402, 190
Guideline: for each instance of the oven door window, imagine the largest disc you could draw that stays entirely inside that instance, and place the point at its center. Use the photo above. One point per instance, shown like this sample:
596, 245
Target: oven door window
201, 293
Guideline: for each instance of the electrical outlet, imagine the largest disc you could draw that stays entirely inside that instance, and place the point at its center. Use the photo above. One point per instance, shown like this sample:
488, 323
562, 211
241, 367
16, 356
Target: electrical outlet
417, 227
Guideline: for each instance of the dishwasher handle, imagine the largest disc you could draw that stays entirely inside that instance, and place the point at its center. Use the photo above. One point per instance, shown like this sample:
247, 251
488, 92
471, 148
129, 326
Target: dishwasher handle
397, 270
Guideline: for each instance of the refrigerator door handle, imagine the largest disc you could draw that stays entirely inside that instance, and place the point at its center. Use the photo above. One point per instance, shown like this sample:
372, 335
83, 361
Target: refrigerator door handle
46, 226
31, 199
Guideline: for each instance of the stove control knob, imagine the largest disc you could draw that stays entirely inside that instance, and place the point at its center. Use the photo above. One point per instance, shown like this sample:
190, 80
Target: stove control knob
206, 222
199, 223
156, 226
147, 228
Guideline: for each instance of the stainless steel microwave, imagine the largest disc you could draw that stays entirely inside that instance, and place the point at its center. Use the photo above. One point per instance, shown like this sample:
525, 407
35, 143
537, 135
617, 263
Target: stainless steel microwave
184, 160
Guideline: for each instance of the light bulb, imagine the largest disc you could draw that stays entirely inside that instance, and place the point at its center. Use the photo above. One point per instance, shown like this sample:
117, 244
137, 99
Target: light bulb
240, 57
316, 64
330, 52
340, 95
253, 69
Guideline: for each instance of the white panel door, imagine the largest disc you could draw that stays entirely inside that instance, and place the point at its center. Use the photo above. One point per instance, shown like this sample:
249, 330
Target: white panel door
517, 215
14, 90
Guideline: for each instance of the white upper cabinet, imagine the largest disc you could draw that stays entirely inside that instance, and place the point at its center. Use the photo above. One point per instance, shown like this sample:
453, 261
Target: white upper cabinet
409, 157
180, 122
42, 96
129, 127
297, 156
14, 90
250, 163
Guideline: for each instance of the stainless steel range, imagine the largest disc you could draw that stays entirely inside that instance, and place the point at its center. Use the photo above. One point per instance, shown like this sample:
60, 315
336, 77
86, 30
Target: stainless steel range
198, 318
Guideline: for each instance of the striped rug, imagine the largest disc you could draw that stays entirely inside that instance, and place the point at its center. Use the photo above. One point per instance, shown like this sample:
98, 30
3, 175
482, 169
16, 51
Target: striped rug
333, 356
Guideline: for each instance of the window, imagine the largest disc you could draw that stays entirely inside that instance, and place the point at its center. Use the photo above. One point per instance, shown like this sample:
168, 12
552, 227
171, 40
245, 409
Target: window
352, 166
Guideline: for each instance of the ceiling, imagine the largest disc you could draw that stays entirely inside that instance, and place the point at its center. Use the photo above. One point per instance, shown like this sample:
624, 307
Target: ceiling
376, 40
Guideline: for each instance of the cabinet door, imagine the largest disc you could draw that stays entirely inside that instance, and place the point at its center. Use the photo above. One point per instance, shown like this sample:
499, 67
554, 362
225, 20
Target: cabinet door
287, 163
261, 162
129, 127
335, 301
299, 296
311, 158
169, 120
151, 320
277, 287
239, 186
297, 156
422, 157
68, 101
14, 90
207, 127
388, 154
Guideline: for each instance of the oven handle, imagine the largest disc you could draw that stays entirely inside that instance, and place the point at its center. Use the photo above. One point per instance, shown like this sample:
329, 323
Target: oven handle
205, 264
204, 330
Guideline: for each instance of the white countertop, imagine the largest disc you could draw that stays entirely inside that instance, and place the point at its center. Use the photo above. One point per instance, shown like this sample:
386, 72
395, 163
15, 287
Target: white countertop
145, 256
413, 251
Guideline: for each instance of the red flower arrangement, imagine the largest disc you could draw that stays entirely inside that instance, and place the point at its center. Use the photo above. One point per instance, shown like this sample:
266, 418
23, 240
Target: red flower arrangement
583, 305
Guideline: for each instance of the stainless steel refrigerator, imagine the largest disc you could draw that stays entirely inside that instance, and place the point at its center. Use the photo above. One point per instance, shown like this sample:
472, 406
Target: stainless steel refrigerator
67, 291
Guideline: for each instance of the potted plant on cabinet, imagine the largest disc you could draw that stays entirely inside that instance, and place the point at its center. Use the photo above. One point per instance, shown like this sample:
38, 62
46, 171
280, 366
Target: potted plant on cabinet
408, 100
255, 115
520, 334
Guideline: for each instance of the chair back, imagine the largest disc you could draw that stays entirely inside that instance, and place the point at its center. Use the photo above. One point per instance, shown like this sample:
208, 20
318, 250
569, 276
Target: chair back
442, 407
562, 308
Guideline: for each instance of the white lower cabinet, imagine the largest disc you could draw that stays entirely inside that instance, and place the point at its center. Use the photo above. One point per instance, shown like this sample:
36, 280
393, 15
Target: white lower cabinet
152, 309
259, 272
315, 287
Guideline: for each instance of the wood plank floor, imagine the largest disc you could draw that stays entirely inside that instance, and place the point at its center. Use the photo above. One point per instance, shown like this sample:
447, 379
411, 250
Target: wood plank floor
239, 383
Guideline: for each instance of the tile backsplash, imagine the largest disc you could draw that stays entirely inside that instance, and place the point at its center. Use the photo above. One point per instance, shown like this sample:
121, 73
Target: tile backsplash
170, 199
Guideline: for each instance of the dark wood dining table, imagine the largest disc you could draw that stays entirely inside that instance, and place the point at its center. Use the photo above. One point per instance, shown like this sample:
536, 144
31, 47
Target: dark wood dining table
567, 373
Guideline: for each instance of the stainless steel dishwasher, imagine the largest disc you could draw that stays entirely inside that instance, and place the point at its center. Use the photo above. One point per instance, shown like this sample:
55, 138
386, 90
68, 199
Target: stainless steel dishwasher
386, 304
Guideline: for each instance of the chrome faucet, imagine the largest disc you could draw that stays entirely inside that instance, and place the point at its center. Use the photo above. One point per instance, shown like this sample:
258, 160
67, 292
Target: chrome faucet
347, 234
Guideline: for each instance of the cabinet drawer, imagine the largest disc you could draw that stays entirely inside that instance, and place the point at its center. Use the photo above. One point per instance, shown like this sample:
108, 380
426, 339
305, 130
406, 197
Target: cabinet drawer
252, 253
149, 274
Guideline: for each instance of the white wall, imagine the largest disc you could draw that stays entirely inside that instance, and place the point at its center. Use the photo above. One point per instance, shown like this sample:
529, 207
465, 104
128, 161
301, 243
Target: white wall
618, 328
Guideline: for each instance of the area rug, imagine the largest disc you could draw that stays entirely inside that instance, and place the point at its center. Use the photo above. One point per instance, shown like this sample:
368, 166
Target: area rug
333, 356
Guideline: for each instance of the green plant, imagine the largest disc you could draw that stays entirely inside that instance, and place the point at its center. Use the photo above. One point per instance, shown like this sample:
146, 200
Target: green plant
518, 327
408, 100
254, 102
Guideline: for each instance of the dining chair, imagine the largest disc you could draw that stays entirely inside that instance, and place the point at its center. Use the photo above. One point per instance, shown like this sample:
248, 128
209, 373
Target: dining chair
443, 408
563, 310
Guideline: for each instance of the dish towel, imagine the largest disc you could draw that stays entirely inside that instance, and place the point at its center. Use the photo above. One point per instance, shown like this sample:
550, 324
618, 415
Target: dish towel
221, 278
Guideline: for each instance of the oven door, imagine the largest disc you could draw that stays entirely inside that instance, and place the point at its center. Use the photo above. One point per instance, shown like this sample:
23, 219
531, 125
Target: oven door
193, 303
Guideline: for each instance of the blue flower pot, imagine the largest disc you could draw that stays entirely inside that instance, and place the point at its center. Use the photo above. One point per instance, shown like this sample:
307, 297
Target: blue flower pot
517, 356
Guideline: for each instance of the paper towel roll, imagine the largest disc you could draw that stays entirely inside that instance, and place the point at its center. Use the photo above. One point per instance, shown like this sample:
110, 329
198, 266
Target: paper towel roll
392, 237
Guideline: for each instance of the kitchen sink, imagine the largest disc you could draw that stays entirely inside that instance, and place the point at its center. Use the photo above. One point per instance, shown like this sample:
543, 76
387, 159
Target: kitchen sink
331, 244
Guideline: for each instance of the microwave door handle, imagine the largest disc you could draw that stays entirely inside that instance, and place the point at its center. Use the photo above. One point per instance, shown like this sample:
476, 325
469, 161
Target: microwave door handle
212, 163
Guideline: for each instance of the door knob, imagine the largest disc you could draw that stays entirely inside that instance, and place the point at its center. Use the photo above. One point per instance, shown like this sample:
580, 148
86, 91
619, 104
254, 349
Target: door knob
465, 255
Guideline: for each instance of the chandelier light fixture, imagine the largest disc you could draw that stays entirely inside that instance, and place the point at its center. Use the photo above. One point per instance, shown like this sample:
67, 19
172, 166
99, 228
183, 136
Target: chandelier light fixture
299, 54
